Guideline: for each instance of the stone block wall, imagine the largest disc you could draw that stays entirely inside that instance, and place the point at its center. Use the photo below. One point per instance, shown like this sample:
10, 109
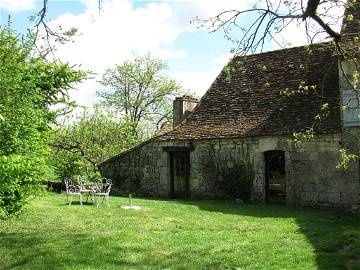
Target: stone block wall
207, 159
311, 175
147, 165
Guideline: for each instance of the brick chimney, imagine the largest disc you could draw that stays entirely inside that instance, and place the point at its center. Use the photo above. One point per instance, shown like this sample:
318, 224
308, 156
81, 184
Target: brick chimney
182, 107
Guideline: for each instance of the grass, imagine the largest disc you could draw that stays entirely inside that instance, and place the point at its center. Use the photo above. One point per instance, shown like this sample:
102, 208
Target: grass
178, 235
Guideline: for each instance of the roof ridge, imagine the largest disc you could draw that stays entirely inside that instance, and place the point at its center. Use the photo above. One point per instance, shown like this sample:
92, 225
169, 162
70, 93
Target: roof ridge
316, 44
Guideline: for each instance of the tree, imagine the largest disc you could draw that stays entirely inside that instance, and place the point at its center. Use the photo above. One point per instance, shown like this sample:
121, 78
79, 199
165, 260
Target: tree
140, 91
269, 18
251, 29
64, 163
29, 87
92, 136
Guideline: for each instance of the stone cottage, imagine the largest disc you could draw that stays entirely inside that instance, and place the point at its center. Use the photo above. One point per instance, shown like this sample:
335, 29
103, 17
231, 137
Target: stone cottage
255, 111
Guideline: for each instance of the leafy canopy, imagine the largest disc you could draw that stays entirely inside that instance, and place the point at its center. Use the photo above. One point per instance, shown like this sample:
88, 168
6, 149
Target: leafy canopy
88, 138
140, 90
29, 87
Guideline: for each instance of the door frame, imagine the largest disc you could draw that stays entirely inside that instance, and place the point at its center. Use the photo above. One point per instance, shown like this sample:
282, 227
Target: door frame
267, 172
172, 152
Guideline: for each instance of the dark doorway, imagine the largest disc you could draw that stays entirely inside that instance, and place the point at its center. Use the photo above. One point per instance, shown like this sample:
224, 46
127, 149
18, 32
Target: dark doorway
275, 176
180, 175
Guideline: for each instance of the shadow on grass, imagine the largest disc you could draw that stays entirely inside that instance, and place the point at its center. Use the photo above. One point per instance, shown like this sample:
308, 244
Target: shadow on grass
71, 251
334, 234
73, 203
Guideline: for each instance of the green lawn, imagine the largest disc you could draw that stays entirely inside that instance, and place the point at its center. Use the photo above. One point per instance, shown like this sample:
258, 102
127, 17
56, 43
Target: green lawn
178, 235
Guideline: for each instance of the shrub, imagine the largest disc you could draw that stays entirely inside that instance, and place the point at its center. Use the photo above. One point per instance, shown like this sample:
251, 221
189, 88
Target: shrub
20, 179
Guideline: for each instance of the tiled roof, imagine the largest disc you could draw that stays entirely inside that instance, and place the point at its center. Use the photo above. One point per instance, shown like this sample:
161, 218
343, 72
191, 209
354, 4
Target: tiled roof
253, 97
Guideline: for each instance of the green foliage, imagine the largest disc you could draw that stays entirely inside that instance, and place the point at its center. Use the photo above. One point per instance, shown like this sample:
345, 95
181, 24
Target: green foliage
84, 140
237, 178
19, 181
229, 71
300, 137
29, 86
65, 164
345, 159
93, 176
140, 90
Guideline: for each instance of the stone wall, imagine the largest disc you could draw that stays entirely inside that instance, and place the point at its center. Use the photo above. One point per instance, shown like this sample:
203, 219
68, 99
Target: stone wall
311, 175
207, 158
146, 166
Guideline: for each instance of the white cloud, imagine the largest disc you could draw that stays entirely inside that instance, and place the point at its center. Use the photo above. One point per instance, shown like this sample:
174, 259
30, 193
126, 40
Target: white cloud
122, 31
166, 54
293, 35
197, 81
296, 34
118, 33
85, 93
187, 11
222, 59
17, 5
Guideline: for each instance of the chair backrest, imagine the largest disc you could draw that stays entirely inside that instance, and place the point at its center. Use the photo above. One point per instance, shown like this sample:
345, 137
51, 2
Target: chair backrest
106, 185
80, 181
70, 188
67, 183
107, 181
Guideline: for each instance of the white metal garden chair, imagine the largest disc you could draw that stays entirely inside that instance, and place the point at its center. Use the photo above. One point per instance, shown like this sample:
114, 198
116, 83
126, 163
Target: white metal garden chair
72, 190
103, 190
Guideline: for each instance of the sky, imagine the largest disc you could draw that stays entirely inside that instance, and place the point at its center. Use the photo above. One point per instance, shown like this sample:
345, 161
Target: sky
124, 29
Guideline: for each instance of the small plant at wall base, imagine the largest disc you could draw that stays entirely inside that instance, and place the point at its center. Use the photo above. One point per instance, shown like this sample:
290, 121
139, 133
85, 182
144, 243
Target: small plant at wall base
237, 181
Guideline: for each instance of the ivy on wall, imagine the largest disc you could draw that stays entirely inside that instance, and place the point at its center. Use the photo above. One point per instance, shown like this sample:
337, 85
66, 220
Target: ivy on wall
234, 171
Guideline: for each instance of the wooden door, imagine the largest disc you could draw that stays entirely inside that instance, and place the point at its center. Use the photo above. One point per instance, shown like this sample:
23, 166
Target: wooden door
180, 174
